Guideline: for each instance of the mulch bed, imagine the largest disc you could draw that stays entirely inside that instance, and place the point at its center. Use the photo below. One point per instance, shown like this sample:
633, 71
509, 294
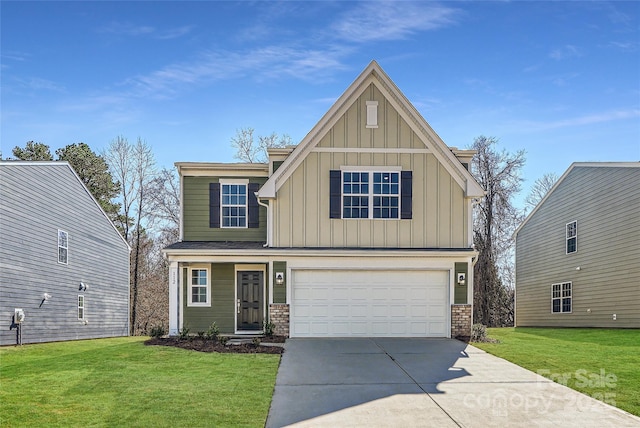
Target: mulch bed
209, 345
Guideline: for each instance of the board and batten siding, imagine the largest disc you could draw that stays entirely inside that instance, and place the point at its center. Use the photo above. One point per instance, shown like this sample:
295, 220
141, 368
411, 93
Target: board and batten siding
301, 209
605, 202
35, 201
196, 226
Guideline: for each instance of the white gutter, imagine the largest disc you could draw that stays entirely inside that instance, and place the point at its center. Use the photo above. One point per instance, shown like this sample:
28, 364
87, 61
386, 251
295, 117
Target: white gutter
269, 228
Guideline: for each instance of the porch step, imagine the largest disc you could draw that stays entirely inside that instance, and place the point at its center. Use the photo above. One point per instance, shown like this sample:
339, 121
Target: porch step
236, 341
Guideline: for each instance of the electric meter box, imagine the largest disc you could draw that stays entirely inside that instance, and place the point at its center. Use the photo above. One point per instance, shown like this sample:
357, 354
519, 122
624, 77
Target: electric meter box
19, 316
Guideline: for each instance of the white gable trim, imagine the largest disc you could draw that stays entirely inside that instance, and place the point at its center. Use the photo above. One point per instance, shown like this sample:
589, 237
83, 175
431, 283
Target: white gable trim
373, 74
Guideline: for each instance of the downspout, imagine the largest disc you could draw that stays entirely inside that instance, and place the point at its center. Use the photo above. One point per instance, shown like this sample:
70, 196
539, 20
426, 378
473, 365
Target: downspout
267, 206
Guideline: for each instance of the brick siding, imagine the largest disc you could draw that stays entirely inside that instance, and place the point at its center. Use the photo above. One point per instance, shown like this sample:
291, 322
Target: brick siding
461, 321
279, 315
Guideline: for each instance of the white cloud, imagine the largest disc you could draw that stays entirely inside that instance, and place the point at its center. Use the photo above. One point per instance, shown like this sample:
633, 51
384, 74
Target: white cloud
585, 120
271, 62
387, 20
133, 30
564, 52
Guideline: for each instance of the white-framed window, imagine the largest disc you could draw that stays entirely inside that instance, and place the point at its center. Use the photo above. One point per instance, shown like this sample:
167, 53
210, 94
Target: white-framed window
63, 247
81, 313
371, 194
572, 237
561, 295
199, 288
233, 205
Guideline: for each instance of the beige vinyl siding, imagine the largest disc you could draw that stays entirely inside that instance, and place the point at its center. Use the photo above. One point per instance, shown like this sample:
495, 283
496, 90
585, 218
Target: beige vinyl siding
301, 210
605, 202
196, 214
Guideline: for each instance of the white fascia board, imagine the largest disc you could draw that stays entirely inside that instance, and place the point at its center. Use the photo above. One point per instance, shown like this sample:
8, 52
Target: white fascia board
266, 254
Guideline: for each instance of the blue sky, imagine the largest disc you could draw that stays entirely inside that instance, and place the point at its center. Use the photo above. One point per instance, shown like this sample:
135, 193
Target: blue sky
560, 80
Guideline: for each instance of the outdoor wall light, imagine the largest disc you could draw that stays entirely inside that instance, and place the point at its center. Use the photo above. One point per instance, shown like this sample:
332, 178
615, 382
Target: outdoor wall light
461, 278
279, 278
83, 287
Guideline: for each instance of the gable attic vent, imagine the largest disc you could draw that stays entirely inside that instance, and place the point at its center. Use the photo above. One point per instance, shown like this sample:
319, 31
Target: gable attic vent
372, 114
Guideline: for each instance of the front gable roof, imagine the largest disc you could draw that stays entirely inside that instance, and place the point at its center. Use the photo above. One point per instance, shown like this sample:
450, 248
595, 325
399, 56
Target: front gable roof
566, 174
60, 166
374, 74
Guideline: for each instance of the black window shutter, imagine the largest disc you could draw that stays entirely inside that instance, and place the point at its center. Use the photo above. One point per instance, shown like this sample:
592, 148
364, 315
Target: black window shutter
254, 208
214, 205
335, 194
406, 183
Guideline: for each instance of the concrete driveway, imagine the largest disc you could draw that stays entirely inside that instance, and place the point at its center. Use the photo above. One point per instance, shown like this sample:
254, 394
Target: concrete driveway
391, 382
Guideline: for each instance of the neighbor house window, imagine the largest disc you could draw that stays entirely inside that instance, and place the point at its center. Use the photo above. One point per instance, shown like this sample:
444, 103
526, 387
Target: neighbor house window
370, 195
234, 205
199, 289
80, 307
561, 298
572, 237
63, 247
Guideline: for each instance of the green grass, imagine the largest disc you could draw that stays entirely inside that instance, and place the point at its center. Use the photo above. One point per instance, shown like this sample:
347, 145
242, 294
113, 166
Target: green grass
601, 363
122, 382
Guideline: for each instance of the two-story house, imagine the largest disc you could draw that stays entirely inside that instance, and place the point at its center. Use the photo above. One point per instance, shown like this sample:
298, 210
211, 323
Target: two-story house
578, 251
363, 229
64, 267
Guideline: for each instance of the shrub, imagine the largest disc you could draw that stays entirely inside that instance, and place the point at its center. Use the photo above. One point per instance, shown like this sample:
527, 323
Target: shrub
223, 339
213, 332
158, 331
184, 332
256, 341
269, 328
478, 333
200, 334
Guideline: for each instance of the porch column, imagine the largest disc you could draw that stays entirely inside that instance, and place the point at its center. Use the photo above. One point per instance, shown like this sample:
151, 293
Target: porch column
174, 301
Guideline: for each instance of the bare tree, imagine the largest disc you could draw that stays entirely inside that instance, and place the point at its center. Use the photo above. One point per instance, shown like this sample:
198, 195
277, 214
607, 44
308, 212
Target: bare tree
119, 157
164, 196
247, 150
134, 167
494, 222
539, 190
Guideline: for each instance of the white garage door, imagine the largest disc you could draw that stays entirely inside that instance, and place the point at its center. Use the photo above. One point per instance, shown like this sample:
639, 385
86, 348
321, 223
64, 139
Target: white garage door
347, 303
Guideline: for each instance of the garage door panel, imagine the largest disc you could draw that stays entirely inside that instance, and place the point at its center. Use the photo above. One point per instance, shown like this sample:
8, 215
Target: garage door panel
370, 303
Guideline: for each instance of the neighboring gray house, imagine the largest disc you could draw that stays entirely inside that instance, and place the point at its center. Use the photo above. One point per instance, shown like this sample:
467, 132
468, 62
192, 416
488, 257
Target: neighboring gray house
578, 252
62, 261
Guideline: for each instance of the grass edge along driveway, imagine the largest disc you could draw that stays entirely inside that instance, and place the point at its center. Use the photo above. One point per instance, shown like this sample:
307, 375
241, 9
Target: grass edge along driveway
602, 363
122, 382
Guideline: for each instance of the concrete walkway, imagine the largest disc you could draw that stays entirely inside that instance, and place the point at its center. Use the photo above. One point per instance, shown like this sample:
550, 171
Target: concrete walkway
422, 383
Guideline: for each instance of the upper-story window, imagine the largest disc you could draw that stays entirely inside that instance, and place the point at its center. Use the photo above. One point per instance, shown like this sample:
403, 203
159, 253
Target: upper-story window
63, 247
234, 205
370, 194
572, 237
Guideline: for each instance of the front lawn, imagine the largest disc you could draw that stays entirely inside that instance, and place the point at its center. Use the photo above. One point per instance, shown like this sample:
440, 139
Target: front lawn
601, 363
122, 382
